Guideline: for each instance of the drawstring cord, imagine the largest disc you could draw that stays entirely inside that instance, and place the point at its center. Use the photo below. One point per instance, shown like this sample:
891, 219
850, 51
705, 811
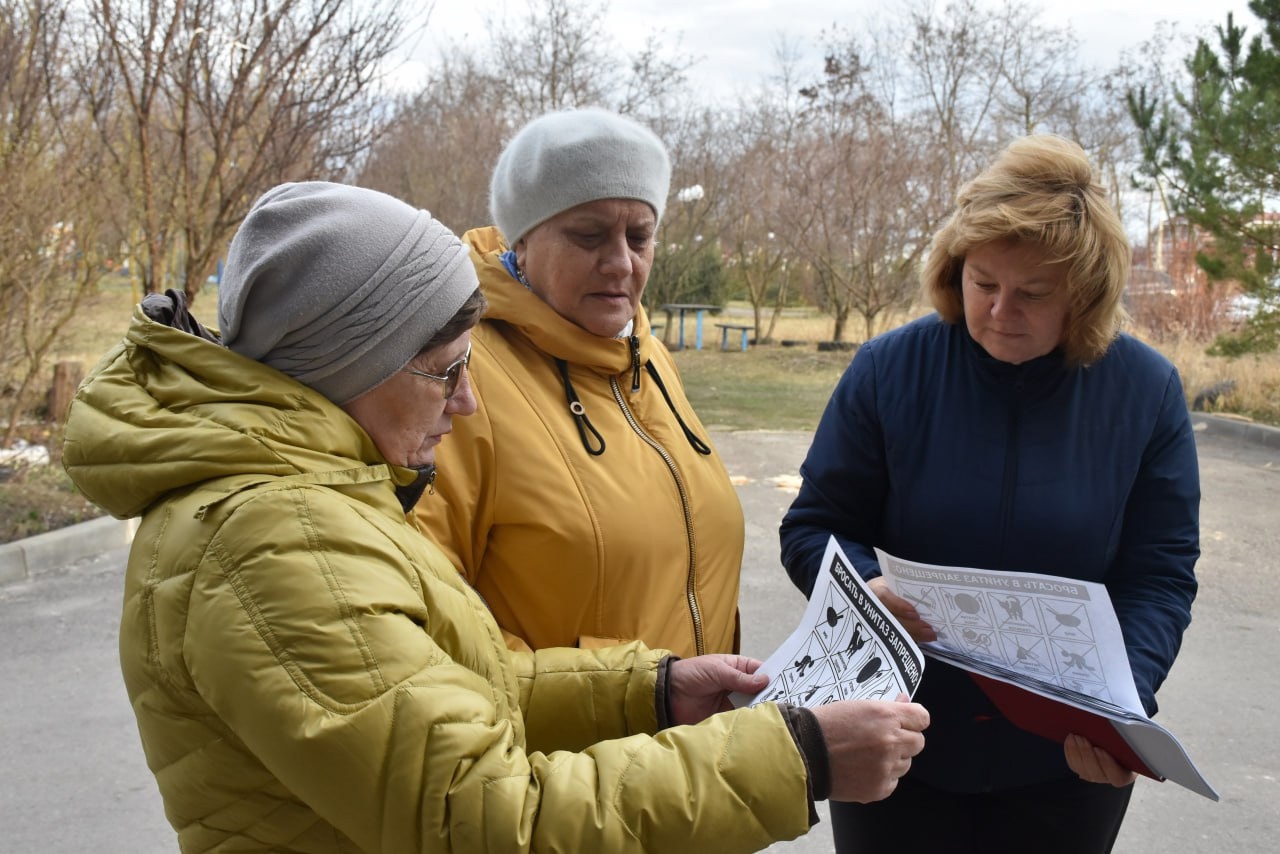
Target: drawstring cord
698, 445
579, 412
587, 431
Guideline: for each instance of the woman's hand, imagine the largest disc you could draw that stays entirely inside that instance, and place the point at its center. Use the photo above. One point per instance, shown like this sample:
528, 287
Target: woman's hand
906, 613
870, 744
1095, 765
701, 686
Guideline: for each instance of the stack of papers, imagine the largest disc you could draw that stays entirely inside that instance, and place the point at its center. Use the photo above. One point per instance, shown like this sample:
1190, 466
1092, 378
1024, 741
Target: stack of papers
1047, 650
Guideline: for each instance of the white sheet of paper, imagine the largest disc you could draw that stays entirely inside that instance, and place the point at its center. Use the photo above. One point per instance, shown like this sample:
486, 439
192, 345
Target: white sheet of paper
1055, 630
846, 647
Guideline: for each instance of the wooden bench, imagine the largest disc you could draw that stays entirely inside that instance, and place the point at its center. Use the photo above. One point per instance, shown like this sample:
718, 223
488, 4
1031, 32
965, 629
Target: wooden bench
725, 328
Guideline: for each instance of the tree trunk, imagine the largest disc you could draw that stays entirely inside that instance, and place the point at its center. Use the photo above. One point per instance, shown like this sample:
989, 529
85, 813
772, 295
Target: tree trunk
66, 379
842, 319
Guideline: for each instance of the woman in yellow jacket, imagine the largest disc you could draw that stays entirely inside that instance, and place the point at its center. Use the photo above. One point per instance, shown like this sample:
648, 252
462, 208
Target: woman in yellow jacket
309, 674
584, 500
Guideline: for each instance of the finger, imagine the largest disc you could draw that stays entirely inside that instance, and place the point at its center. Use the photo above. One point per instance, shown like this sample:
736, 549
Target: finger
1113, 772
901, 608
915, 717
921, 631
740, 663
738, 681
1082, 759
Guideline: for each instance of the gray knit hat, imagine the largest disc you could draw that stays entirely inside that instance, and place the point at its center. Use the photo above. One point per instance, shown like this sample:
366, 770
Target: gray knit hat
565, 159
339, 287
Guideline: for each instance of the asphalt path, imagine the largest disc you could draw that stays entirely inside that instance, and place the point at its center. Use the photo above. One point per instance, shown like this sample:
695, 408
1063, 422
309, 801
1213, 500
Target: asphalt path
73, 778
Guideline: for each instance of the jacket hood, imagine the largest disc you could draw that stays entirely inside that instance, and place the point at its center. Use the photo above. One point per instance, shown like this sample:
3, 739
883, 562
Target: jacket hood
166, 410
513, 304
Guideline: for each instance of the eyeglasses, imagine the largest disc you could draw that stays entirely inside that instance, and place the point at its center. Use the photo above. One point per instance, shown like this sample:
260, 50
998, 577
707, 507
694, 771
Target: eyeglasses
451, 377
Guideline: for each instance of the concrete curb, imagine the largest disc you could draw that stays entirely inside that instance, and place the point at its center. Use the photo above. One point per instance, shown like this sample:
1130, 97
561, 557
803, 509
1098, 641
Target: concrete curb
25, 558
1238, 429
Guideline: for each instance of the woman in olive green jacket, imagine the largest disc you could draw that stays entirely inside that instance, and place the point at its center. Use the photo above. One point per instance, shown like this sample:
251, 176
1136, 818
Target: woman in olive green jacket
307, 671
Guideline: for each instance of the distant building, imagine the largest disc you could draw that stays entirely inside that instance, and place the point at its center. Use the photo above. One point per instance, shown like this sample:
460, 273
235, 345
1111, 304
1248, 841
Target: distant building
1169, 292
1167, 264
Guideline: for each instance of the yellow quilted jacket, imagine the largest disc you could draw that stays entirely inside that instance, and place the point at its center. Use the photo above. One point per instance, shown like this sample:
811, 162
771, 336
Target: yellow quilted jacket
640, 542
310, 674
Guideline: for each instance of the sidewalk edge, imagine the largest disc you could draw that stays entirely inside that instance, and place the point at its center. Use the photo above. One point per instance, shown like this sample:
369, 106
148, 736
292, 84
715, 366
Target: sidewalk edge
22, 559
1245, 431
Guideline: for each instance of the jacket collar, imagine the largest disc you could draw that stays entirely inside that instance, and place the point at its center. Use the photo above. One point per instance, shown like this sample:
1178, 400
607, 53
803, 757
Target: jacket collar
512, 304
177, 410
1042, 369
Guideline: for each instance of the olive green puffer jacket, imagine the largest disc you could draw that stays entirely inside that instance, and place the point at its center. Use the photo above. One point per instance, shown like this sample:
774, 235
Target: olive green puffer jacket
309, 673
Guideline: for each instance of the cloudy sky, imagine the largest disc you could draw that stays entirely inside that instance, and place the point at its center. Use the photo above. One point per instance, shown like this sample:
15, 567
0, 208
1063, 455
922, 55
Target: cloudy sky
736, 39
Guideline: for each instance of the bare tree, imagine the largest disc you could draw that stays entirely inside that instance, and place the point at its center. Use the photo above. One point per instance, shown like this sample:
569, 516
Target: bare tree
1040, 77
756, 229
757, 252
439, 150
204, 104
51, 222
559, 56
862, 194
555, 58
952, 76
688, 259
441, 146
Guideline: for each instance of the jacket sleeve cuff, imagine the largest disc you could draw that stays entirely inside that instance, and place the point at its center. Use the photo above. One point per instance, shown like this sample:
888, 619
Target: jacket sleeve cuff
804, 728
662, 696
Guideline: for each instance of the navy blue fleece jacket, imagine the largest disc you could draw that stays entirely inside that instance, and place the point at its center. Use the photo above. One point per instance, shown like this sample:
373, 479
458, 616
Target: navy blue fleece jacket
935, 452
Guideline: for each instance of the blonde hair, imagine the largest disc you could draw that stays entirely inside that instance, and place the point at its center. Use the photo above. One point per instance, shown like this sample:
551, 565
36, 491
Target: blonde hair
1041, 189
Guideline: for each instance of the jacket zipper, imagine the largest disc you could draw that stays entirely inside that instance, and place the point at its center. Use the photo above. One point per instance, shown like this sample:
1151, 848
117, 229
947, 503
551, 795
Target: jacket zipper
691, 579
1010, 475
634, 343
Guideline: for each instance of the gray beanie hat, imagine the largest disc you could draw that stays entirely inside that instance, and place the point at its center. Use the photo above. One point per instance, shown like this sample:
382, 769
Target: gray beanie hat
565, 159
339, 287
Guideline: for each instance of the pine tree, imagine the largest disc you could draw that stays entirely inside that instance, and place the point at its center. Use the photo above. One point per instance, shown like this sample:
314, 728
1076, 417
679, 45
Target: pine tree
1214, 149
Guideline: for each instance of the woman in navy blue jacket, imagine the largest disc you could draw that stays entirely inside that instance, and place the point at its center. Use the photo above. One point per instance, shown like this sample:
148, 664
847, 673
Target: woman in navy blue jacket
1016, 430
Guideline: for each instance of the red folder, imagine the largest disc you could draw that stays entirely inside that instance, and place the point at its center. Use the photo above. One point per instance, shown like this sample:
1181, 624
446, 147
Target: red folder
1055, 721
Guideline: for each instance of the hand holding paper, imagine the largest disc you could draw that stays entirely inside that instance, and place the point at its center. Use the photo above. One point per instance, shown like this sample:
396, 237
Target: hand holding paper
701, 686
1095, 765
904, 611
848, 646
870, 745
1048, 651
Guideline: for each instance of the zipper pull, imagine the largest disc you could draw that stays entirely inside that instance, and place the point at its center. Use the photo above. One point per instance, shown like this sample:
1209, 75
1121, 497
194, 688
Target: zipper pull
635, 363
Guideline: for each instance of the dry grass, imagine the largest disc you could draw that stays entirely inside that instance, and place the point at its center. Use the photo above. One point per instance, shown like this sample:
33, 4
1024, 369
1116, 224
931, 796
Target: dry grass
784, 384
101, 322
773, 369
796, 324
1255, 380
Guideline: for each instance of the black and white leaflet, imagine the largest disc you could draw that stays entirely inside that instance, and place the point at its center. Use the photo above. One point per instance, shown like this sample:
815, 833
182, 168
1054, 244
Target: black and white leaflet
846, 647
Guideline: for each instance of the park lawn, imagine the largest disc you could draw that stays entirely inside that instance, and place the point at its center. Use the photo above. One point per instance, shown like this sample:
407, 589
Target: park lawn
764, 388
